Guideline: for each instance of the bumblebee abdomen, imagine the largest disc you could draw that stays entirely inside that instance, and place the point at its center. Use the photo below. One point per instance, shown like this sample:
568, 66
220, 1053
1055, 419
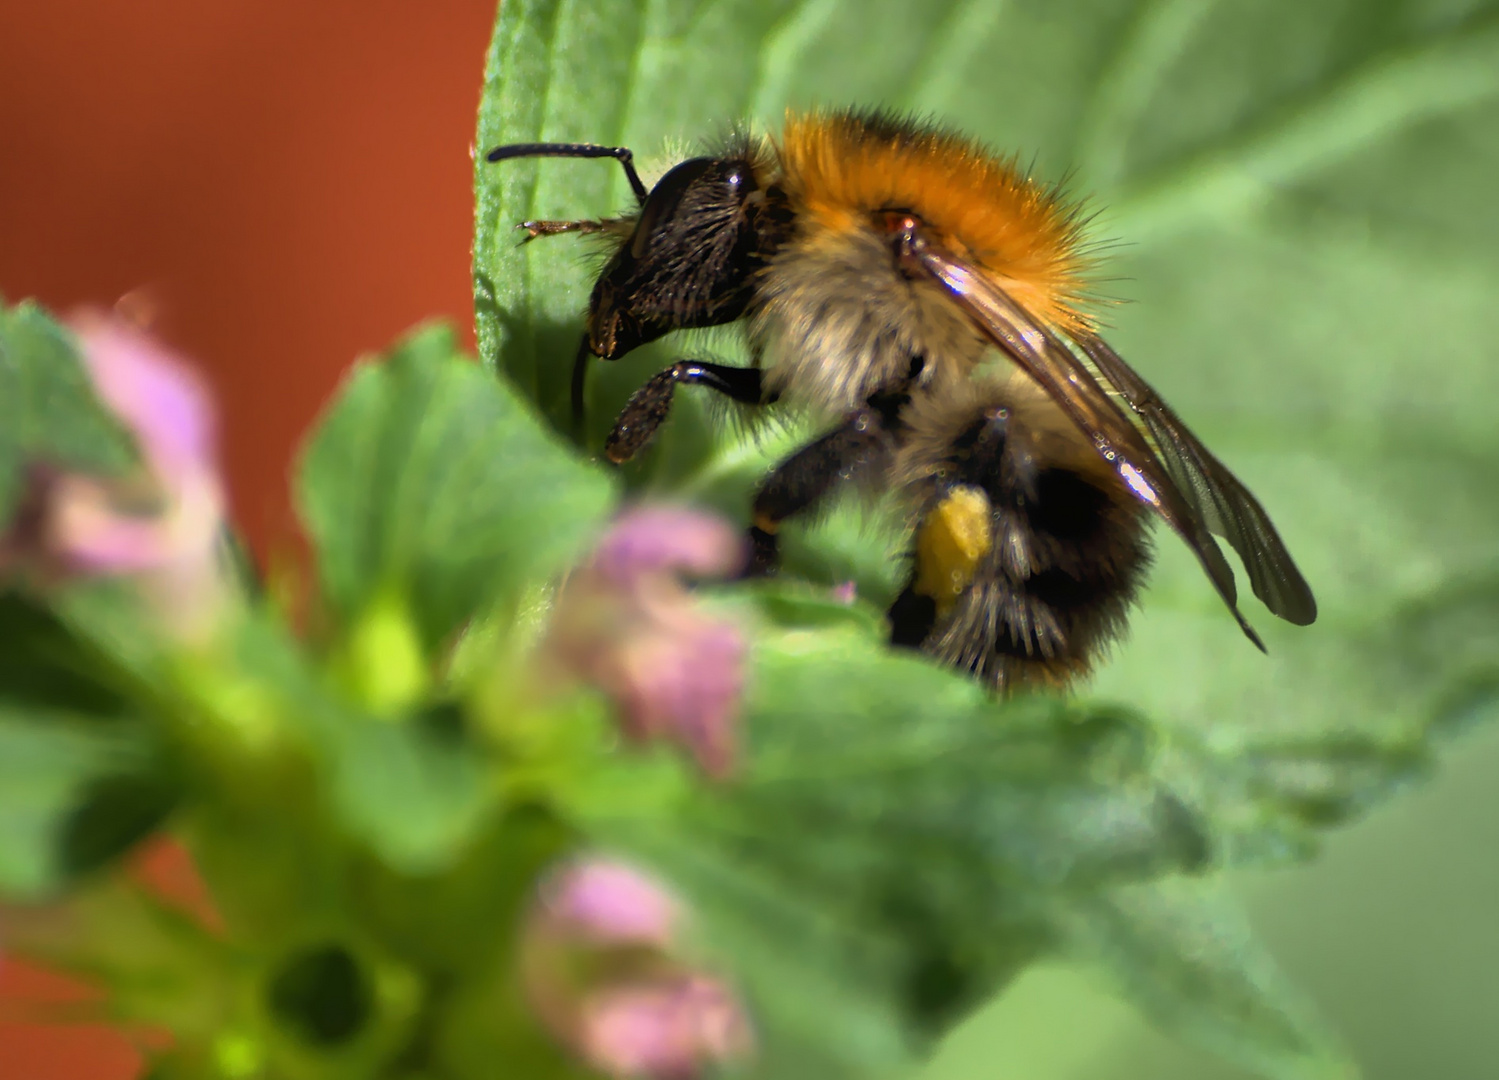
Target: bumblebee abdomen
1026, 557
1017, 628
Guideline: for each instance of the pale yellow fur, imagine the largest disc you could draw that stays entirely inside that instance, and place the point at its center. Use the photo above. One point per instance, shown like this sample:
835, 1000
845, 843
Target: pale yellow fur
836, 322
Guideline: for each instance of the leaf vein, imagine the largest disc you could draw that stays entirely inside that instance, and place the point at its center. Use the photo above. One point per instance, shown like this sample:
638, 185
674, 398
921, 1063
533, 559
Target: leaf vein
1382, 97
960, 36
1156, 36
782, 51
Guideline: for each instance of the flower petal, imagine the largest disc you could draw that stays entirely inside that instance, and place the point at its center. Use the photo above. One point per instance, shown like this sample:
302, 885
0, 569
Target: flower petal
605, 900
158, 396
664, 1030
654, 538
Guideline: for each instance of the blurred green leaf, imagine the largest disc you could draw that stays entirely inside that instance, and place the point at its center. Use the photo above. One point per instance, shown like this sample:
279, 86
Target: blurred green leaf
1036, 793
429, 478
414, 790
1182, 952
45, 665
81, 779
893, 832
410, 787
1272, 799
75, 793
48, 412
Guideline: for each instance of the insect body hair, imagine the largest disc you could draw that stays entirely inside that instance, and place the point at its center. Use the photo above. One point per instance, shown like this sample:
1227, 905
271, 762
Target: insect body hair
836, 319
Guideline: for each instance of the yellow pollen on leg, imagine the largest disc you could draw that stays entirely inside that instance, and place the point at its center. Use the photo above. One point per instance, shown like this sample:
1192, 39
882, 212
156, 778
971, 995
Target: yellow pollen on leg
950, 543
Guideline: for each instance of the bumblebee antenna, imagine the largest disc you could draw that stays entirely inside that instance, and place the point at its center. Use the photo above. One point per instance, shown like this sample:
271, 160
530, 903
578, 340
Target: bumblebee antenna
620, 154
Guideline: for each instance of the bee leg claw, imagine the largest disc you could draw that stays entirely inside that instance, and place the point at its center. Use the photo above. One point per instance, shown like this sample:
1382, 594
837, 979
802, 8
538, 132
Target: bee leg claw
536, 229
765, 554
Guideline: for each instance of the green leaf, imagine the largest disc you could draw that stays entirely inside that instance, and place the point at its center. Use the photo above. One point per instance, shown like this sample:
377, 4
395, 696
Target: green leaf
1271, 799
75, 794
411, 787
1182, 952
49, 414
1302, 202
82, 780
893, 749
44, 665
429, 478
892, 832
1299, 206
415, 791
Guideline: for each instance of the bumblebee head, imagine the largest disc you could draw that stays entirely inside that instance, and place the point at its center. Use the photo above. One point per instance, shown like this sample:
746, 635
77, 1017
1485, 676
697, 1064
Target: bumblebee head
688, 261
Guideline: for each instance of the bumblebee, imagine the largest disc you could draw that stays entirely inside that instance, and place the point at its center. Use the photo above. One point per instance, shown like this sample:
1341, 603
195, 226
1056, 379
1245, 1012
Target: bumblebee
924, 300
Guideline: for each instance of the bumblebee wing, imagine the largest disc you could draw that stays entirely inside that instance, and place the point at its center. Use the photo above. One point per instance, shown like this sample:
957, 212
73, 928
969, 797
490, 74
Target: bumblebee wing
1064, 376
1216, 495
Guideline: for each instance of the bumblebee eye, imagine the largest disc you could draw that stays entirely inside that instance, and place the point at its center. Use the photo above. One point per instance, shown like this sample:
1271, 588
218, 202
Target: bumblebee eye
664, 199
685, 189
740, 179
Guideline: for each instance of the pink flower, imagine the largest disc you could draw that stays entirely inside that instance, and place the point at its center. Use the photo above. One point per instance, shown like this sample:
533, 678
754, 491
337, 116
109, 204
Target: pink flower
608, 902
600, 959
670, 1029
626, 623
160, 524
669, 538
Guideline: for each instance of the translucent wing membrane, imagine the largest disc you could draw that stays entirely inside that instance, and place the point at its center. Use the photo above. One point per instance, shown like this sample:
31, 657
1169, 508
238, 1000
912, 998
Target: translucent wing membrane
1215, 494
1191, 491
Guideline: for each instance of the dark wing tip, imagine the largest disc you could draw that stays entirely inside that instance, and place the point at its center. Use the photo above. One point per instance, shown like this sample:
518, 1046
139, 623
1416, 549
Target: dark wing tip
1300, 609
1282, 589
1250, 633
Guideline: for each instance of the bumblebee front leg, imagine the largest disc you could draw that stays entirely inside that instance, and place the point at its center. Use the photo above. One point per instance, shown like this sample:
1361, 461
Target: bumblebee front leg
648, 407
535, 229
860, 444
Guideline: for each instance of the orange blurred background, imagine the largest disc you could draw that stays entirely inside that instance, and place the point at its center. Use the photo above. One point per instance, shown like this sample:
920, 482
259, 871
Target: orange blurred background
288, 182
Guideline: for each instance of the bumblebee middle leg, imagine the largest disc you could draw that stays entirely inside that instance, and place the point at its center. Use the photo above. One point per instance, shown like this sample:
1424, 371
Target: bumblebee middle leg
648, 407
860, 444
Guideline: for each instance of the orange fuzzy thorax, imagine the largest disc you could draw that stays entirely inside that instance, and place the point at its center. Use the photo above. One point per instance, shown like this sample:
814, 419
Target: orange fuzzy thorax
842, 168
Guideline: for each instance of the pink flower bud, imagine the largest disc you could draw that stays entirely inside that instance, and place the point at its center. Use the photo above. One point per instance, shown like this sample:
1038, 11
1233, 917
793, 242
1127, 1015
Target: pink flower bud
671, 1029
154, 391
626, 623
607, 901
602, 967
162, 523
667, 538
